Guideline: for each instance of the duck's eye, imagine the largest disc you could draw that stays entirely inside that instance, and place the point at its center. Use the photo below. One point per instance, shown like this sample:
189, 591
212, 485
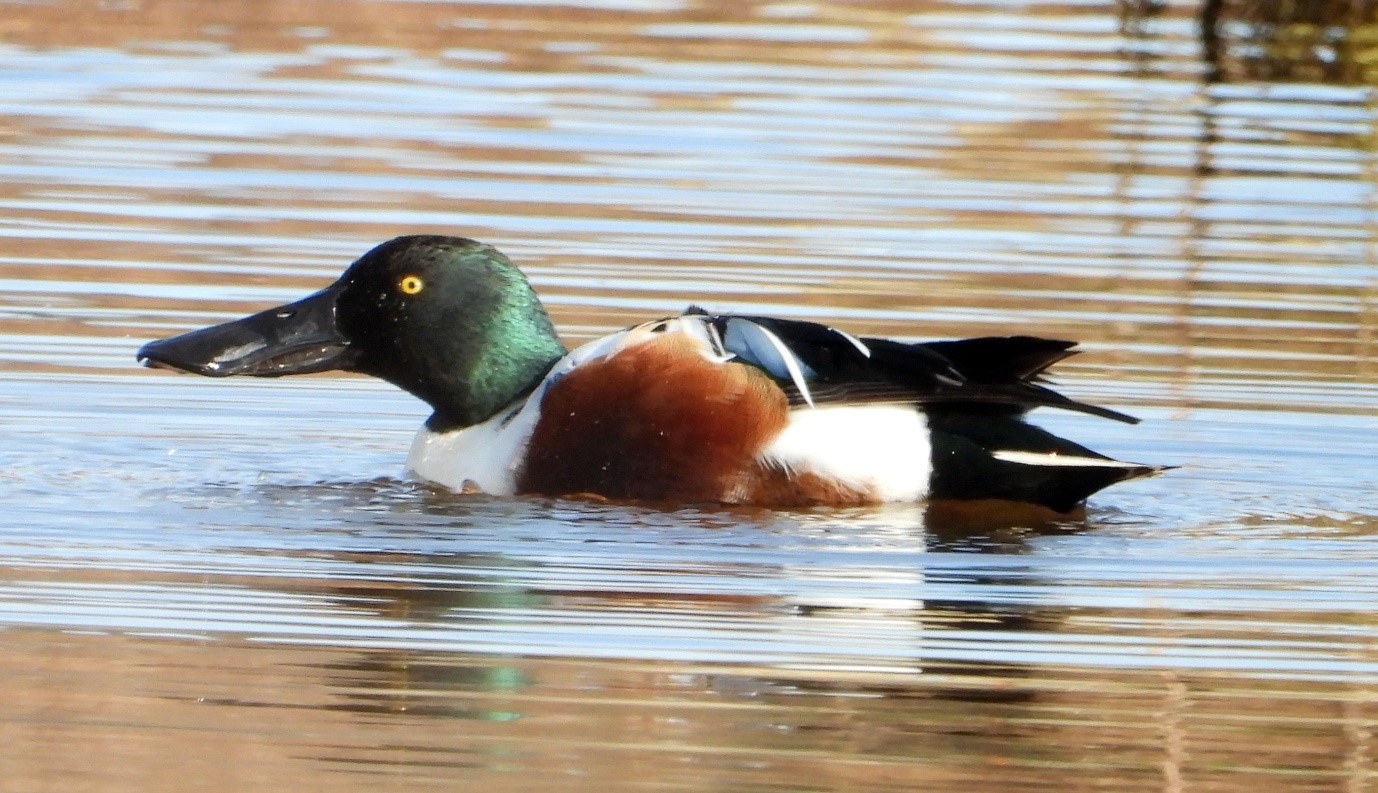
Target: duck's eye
411, 285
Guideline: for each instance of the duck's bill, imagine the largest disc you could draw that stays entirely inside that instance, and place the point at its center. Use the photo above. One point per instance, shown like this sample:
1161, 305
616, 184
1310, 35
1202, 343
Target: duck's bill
298, 338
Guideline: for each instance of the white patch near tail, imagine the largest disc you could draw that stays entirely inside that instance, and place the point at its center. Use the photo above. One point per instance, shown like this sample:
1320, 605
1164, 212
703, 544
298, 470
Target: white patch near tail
1052, 460
881, 448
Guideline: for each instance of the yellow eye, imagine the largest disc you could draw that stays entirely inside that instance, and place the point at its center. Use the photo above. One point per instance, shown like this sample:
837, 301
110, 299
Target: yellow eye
411, 285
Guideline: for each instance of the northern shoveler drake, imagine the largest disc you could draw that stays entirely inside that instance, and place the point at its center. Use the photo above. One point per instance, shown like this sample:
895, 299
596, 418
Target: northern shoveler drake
695, 408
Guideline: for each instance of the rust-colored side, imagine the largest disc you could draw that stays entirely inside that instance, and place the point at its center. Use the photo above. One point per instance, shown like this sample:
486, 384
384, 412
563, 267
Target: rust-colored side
778, 487
656, 421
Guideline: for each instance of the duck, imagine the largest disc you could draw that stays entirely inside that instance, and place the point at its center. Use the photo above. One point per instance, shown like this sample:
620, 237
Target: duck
694, 408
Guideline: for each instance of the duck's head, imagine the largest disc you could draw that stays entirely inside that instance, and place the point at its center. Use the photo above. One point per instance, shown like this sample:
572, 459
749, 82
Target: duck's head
448, 319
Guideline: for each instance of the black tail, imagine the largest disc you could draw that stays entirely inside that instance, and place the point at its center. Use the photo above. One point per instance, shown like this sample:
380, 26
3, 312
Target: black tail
980, 456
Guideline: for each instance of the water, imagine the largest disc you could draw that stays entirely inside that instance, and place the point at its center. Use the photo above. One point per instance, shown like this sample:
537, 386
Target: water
216, 585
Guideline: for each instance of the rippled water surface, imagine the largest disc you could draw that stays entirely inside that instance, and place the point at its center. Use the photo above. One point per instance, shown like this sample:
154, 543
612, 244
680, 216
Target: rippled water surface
221, 585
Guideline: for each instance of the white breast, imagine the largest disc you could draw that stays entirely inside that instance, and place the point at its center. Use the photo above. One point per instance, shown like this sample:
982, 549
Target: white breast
881, 448
483, 457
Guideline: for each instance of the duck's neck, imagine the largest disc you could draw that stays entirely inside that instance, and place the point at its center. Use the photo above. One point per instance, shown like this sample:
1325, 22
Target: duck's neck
501, 372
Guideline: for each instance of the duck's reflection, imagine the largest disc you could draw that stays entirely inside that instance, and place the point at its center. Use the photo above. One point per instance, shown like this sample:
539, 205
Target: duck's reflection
893, 590
834, 648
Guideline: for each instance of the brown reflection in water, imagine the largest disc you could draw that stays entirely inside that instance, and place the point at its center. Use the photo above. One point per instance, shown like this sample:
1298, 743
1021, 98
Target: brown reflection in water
124, 713
250, 712
1323, 41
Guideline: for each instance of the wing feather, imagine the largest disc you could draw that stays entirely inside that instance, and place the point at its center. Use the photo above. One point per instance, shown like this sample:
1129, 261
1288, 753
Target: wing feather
816, 365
